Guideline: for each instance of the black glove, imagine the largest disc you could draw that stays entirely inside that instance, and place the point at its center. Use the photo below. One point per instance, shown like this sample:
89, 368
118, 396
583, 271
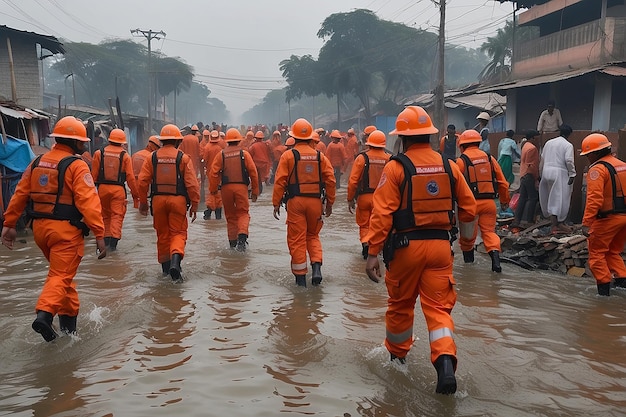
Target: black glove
571, 180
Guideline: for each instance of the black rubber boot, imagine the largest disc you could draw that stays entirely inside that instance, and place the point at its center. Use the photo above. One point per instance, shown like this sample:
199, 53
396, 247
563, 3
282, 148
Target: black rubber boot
166, 267
495, 261
67, 324
365, 250
301, 280
107, 242
316, 274
242, 242
207, 214
218, 213
446, 381
175, 266
399, 359
232, 243
604, 289
620, 283
468, 256
43, 325
113, 244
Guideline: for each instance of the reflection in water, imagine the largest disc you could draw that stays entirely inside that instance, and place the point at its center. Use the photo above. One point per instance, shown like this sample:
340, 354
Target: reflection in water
237, 338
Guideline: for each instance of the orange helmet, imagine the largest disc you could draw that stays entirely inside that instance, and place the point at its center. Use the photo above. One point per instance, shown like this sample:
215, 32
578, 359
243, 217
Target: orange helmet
117, 136
70, 127
259, 135
169, 132
154, 139
194, 127
315, 136
233, 135
215, 136
335, 134
290, 141
350, 131
469, 136
413, 120
249, 134
376, 139
369, 129
301, 129
594, 142
205, 132
276, 133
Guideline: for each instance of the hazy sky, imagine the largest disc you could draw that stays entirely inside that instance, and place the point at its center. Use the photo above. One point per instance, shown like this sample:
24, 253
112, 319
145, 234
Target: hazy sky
235, 46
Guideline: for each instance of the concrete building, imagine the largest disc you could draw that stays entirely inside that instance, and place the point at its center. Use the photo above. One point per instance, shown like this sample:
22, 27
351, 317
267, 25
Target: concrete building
23, 83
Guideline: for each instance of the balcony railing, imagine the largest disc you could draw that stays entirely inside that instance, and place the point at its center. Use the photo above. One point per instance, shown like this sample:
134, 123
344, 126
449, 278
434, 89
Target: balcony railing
568, 38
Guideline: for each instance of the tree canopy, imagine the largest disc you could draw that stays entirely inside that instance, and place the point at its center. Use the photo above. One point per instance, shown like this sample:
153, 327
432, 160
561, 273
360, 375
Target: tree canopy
375, 60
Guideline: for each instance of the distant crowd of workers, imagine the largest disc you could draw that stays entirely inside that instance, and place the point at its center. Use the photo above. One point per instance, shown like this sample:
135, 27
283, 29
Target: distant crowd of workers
408, 206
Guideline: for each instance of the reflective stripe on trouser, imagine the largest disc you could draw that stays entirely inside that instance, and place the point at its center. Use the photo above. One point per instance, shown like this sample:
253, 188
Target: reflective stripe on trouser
63, 246
423, 269
606, 241
170, 222
304, 222
486, 213
214, 201
236, 209
113, 200
363, 213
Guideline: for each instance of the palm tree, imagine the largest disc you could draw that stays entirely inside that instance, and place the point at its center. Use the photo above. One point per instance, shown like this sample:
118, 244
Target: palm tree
499, 48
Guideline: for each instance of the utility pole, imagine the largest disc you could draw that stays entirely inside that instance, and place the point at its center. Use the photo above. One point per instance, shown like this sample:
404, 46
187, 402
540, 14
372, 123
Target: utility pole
439, 99
149, 35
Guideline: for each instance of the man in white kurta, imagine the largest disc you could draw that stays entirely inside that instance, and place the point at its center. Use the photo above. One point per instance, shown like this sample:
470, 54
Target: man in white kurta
557, 172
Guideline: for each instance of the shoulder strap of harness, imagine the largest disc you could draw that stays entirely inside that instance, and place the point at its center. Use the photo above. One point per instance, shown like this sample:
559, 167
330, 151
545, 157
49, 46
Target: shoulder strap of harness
619, 205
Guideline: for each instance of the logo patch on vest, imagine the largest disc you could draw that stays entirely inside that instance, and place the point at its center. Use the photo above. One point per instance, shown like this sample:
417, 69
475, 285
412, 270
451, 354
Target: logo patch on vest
594, 175
308, 168
432, 188
88, 180
43, 180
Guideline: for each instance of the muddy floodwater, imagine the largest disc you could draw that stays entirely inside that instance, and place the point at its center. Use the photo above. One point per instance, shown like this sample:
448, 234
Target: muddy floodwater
238, 338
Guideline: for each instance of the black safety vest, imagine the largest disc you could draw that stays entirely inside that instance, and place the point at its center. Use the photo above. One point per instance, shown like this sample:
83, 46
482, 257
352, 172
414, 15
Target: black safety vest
482, 188
121, 175
311, 188
166, 188
619, 202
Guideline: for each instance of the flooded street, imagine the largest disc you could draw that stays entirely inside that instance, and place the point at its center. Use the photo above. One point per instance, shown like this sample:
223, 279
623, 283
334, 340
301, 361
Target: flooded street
238, 338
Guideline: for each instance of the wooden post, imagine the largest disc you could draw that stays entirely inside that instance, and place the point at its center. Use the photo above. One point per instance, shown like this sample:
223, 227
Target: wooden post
12, 71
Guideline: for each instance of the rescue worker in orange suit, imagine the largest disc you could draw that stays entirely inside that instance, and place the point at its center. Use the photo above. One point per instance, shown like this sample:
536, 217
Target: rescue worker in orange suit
234, 169
140, 157
317, 144
213, 200
277, 151
174, 190
419, 229
191, 146
336, 153
486, 180
304, 178
366, 132
604, 220
112, 169
59, 194
352, 149
260, 152
365, 175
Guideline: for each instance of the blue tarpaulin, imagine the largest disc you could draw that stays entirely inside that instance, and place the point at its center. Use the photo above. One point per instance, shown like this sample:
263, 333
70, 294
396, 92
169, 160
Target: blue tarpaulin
15, 154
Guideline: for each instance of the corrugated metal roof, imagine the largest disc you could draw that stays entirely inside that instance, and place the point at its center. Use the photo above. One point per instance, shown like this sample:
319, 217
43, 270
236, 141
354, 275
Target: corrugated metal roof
542, 79
48, 42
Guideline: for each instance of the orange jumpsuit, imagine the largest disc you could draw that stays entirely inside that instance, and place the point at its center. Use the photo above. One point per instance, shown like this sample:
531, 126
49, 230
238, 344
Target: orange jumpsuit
607, 234
362, 186
337, 155
304, 212
227, 169
61, 242
213, 148
260, 152
424, 267
321, 147
352, 150
138, 159
191, 146
111, 175
486, 207
169, 204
